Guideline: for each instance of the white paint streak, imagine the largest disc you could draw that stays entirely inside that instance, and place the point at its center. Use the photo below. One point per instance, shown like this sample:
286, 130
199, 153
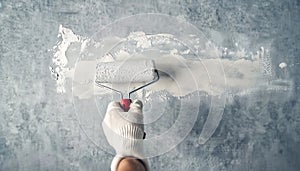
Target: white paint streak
211, 74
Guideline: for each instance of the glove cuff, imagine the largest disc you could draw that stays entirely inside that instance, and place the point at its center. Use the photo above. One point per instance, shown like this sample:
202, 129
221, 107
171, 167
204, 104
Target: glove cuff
130, 131
115, 162
131, 142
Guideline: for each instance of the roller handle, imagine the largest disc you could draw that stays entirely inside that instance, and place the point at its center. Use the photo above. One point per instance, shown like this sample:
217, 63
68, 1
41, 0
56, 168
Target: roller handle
125, 103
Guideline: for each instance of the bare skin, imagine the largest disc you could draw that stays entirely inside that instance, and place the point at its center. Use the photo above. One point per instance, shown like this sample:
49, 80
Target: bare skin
130, 164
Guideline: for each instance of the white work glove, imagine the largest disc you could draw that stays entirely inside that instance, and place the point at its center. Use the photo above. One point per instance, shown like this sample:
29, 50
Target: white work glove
124, 131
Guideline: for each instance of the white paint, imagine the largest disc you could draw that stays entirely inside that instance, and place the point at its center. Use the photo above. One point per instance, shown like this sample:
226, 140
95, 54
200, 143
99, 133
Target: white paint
60, 59
282, 65
184, 76
140, 38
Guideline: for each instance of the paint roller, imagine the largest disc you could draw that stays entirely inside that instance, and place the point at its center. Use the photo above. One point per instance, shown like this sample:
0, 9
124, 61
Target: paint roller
124, 72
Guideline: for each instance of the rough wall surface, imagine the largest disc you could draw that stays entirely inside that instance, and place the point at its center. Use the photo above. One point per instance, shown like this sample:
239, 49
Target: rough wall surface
38, 130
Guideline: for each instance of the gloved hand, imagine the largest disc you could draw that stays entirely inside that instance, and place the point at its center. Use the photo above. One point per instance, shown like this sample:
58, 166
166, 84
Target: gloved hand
124, 131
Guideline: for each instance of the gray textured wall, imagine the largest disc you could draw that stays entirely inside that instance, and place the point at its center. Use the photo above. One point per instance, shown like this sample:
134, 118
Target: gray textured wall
37, 126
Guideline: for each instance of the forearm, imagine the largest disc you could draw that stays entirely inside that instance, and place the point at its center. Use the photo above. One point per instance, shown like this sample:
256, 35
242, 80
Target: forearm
131, 164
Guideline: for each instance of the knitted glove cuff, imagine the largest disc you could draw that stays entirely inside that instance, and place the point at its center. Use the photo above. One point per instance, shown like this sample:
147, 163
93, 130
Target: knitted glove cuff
131, 141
